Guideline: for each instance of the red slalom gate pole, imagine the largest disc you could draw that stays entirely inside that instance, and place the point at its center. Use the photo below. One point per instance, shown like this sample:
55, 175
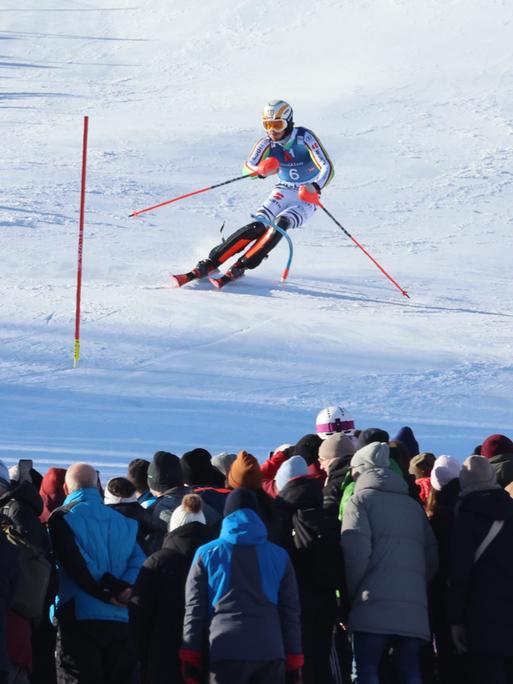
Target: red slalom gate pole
76, 355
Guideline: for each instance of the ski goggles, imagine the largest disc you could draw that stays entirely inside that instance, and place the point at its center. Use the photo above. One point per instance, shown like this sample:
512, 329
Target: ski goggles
276, 125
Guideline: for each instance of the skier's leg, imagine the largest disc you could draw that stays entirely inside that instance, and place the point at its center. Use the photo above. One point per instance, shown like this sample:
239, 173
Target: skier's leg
293, 214
256, 253
275, 204
232, 245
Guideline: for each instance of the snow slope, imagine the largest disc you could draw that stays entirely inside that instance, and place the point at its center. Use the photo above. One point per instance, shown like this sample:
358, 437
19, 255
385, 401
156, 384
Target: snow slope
414, 102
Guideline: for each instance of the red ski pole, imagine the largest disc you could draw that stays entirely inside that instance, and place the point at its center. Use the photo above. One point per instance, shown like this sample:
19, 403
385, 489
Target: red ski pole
313, 198
265, 168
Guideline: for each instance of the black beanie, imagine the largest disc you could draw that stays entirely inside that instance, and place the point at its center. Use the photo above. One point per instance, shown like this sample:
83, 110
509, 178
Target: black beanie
242, 497
308, 448
198, 470
164, 471
372, 435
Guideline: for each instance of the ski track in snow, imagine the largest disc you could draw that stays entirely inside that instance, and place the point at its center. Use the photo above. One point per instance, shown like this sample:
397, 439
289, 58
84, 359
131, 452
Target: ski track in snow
413, 102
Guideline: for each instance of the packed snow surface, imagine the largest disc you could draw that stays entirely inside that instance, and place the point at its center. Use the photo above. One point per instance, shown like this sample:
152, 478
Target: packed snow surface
413, 101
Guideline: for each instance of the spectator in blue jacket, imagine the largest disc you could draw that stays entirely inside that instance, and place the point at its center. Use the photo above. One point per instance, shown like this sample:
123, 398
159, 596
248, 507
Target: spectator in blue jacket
98, 560
241, 594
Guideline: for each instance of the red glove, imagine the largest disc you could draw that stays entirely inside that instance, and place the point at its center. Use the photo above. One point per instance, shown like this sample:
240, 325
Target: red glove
190, 666
309, 193
293, 665
268, 166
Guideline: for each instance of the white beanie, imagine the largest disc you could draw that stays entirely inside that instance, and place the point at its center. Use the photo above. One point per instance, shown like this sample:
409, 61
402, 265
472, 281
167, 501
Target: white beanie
445, 469
187, 512
5, 480
477, 475
373, 455
293, 467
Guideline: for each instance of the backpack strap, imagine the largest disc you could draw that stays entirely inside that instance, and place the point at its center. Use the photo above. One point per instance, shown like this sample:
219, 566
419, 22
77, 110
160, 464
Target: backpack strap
494, 530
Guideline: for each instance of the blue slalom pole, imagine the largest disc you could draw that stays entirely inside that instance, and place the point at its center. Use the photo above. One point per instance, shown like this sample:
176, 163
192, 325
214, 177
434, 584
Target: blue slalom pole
271, 224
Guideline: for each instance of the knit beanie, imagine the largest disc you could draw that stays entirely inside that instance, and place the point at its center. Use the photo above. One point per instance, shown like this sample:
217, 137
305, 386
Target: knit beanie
336, 446
308, 448
445, 469
242, 497
223, 462
372, 435
422, 464
295, 466
5, 480
52, 491
198, 470
245, 472
119, 490
164, 472
190, 510
406, 437
496, 445
374, 455
477, 475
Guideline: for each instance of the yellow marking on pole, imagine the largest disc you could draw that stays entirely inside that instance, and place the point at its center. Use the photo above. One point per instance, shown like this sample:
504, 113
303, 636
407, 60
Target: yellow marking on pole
76, 356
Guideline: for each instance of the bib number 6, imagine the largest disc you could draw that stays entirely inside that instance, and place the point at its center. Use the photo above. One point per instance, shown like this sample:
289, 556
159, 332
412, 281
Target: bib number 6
294, 175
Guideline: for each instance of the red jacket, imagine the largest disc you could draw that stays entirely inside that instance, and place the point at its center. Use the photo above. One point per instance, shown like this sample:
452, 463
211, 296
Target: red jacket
424, 485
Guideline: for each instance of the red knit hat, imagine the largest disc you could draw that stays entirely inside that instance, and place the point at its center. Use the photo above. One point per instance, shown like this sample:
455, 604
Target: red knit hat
495, 445
245, 472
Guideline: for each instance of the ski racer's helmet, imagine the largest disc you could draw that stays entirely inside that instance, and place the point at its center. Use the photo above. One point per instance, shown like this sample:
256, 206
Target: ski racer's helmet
334, 419
278, 116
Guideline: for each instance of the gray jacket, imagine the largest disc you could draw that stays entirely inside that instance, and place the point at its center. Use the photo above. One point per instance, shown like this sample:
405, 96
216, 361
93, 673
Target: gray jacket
390, 555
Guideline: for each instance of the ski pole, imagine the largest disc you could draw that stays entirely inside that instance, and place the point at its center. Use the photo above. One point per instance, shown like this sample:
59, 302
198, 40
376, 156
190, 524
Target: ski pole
265, 168
265, 221
313, 198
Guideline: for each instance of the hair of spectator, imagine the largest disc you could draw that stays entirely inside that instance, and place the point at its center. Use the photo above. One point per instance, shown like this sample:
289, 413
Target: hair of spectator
138, 474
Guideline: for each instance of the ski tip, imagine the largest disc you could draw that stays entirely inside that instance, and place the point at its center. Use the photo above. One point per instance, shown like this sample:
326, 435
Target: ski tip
178, 281
216, 282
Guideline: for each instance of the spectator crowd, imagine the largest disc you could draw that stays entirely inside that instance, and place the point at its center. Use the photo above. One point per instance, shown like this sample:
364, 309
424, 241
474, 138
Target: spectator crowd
348, 556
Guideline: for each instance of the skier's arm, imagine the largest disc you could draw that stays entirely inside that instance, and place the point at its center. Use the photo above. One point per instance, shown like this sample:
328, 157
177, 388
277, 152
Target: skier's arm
320, 159
259, 152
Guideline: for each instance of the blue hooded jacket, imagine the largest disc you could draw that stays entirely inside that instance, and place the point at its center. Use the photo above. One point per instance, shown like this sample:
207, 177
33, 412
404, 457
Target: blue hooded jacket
242, 590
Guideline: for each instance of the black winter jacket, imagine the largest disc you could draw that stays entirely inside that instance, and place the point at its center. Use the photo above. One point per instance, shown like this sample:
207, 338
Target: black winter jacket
144, 519
332, 491
481, 593
23, 505
311, 536
8, 580
157, 605
442, 523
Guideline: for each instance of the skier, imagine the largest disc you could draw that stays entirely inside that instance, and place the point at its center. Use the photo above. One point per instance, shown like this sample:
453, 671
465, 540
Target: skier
304, 169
